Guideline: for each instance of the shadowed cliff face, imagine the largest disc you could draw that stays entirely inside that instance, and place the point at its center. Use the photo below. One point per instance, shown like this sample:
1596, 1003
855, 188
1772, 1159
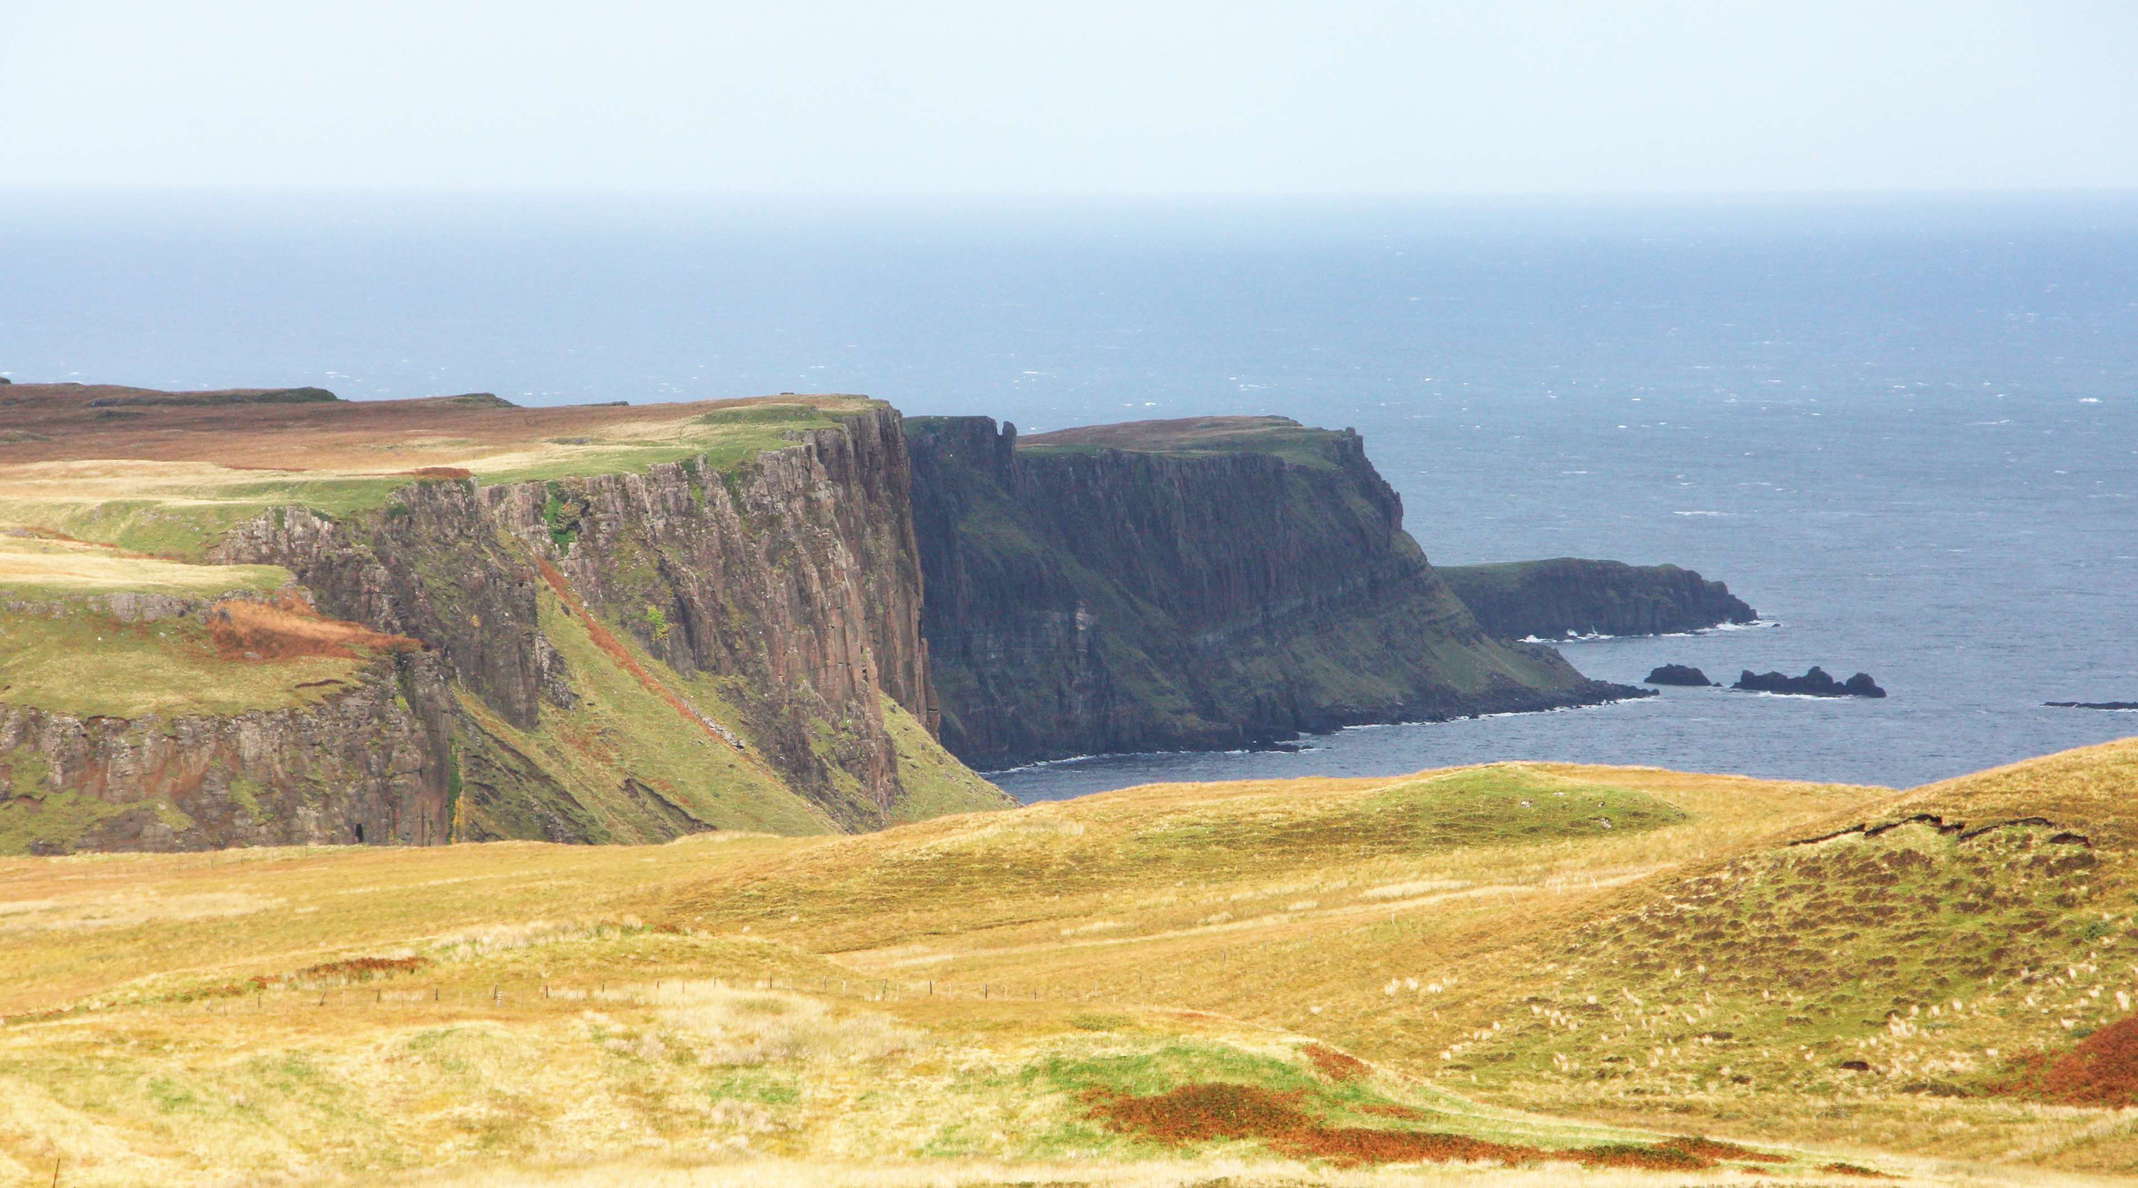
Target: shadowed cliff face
1201, 584
1571, 596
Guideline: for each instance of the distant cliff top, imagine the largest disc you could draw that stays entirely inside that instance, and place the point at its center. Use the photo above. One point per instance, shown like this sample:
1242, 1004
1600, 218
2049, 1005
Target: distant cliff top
166, 473
1281, 436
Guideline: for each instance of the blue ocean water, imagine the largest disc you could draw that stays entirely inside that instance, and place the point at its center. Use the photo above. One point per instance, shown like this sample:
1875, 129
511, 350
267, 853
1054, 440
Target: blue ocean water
1905, 429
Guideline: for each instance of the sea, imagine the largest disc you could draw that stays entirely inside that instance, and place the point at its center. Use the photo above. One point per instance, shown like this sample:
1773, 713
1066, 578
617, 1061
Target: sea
1904, 427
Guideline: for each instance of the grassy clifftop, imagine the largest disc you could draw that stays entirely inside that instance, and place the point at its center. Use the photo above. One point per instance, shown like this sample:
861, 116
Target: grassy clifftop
169, 473
1279, 437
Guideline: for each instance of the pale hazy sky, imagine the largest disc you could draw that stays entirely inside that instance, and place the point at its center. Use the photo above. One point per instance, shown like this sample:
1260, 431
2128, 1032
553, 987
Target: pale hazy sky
1090, 96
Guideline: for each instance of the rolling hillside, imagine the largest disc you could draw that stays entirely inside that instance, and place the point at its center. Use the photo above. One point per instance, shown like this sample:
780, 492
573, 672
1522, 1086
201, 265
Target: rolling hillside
1621, 974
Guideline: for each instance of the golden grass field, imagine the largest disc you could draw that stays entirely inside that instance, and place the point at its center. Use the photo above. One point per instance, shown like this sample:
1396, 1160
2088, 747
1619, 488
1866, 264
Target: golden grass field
1276, 982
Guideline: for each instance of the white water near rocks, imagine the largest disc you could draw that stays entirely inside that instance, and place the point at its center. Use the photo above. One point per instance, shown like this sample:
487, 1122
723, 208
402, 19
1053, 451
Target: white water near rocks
1906, 430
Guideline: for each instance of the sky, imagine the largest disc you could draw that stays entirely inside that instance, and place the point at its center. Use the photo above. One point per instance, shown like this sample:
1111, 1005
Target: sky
1094, 97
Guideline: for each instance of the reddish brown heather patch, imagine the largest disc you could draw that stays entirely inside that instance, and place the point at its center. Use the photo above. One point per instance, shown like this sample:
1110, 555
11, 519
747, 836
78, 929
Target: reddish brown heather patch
1407, 1113
1850, 1169
1213, 1110
360, 968
1706, 1148
1336, 1065
438, 472
289, 628
2102, 1070
1200, 1113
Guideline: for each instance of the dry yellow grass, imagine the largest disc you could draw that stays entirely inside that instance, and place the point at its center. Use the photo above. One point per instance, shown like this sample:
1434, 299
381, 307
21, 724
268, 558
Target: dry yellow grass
33, 568
913, 1006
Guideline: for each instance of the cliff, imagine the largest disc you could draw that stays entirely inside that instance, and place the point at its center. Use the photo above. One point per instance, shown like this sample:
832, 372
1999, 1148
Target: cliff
1188, 584
578, 625
1569, 596
211, 717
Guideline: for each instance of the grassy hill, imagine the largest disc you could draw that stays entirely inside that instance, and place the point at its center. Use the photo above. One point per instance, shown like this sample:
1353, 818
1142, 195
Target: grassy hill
1526, 972
1947, 970
1624, 974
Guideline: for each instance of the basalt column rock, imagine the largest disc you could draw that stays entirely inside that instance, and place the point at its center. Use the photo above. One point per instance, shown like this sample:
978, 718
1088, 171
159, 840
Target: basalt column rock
793, 579
790, 579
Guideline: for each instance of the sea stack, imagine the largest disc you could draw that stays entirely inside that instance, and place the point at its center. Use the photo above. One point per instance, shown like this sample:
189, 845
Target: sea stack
1677, 674
1815, 683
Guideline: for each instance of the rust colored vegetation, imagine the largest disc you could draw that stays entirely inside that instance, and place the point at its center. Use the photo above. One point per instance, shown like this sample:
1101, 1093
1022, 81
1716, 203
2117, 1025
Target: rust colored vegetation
360, 969
1852, 1169
1706, 1148
1336, 1065
289, 628
1212, 1111
2102, 1070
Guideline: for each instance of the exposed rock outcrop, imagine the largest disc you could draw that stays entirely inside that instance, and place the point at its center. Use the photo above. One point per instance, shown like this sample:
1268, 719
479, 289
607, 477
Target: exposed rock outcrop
1677, 674
1815, 683
625, 652
795, 580
373, 763
1188, 584
1571, 596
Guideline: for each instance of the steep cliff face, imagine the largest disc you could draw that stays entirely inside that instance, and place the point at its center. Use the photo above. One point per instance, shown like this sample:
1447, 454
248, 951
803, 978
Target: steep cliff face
369, 761
1198, 584
768, 612
1569, 596
792, 582
636, 640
